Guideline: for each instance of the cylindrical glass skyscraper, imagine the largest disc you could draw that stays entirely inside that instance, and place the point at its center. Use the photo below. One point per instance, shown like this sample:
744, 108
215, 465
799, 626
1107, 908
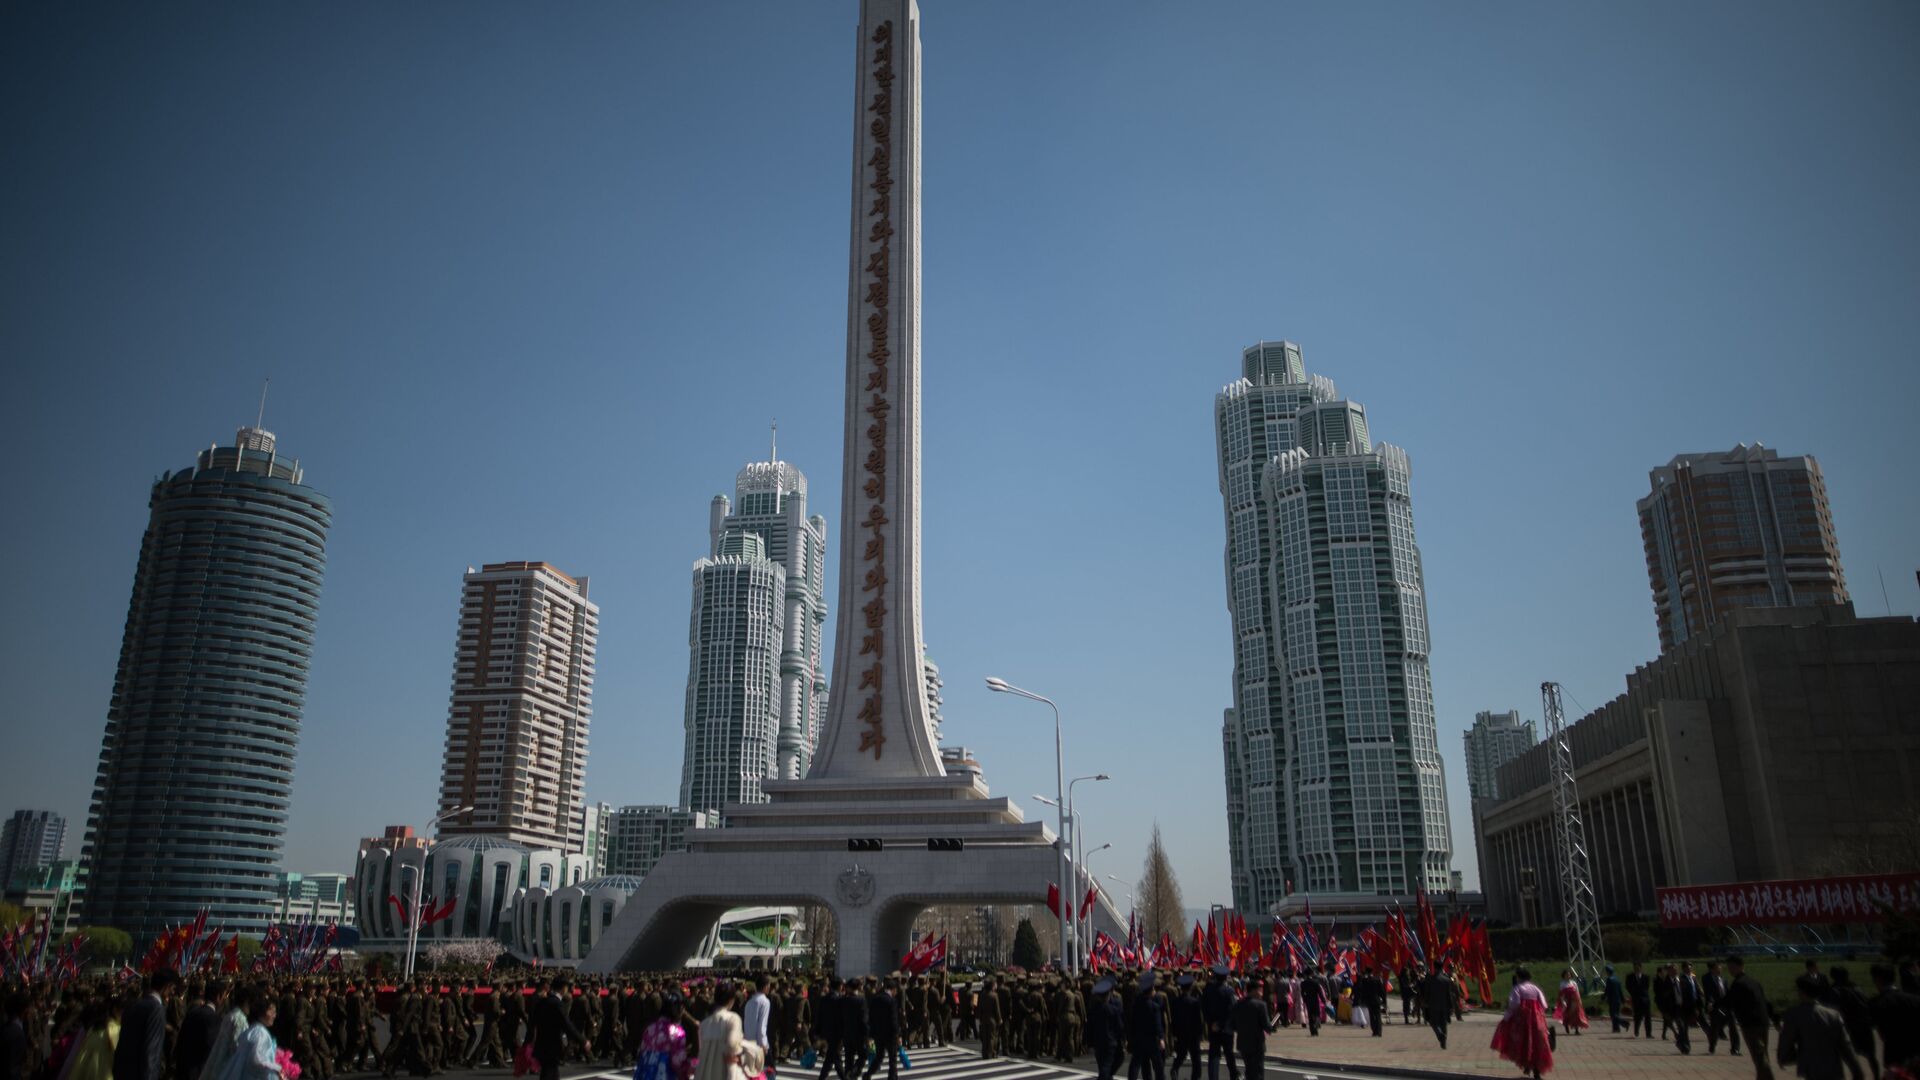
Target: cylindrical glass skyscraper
196, 770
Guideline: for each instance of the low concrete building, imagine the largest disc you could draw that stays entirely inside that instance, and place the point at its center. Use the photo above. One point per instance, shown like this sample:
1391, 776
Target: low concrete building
1739, 755
49, 889
479, 874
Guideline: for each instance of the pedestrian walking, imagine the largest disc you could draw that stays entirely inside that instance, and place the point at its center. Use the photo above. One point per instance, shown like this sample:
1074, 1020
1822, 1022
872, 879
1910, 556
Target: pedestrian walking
1436, 995
1571, 1011
1523, 1035
1616, 995
1896, 1016
1216, 1008
1252, 1023
1813, 1037
1851, 1004
1752, 1013
1146, 1034
1640, 996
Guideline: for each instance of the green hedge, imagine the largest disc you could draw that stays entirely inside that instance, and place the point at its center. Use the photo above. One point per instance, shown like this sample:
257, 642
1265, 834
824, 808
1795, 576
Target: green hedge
1550, 942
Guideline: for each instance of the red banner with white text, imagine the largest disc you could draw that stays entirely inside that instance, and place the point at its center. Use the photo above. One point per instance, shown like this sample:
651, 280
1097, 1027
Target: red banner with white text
1857, 899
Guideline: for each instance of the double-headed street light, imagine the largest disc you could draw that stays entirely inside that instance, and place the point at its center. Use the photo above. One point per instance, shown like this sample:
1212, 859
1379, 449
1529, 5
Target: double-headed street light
413, 908
1079, 857
1086, 867
1002, 686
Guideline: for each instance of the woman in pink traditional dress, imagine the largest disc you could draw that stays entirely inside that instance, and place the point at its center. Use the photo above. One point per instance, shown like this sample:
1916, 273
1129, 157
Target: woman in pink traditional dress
1522, 1035
1572, 1012
665, 1051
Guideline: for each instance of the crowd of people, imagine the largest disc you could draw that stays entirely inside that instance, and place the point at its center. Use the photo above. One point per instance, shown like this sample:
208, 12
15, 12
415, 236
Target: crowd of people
695, 1026
1834, 1029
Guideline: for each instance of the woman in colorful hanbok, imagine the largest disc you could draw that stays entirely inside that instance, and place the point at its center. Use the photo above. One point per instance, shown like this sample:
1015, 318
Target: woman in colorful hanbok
1522, 1036
1572, 1012
666, 1053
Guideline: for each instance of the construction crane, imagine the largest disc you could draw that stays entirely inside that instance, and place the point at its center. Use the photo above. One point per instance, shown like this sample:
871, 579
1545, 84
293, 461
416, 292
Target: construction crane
1578, 912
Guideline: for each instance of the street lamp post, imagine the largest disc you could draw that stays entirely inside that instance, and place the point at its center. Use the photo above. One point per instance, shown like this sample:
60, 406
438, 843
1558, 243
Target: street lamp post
1066, 840
1086, 868
1079, 857
413, 906
1002, 686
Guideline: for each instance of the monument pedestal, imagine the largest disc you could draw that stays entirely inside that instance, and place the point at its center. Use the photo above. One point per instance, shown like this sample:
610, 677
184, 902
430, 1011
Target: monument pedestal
793, 850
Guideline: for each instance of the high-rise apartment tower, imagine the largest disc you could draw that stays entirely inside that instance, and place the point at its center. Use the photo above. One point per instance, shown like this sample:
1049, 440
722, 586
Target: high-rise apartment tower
1494, 739
29, 840
1737, 528
1334, 780
196, 770
755, 693
522, 701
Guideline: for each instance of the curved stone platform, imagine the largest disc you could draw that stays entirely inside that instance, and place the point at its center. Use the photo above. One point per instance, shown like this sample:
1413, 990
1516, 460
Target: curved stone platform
794, 851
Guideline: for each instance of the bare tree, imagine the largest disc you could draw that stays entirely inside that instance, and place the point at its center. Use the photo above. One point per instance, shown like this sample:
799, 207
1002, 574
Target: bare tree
1157, 897
1892, 846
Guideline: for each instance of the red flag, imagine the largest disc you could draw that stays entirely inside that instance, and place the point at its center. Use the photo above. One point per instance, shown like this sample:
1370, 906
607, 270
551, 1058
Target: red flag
1053, 898
1199, 950
1087, 904
910, 963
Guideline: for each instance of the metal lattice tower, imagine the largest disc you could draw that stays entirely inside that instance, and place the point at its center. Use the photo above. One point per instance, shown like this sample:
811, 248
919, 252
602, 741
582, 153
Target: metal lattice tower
1577, 910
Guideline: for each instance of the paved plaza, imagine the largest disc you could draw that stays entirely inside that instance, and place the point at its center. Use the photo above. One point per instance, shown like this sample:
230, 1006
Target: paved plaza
1343, 1050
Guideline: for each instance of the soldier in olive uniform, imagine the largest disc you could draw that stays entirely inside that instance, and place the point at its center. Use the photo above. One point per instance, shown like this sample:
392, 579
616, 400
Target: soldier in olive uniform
319, 1036
433, 1032
940, 1009
987, 1015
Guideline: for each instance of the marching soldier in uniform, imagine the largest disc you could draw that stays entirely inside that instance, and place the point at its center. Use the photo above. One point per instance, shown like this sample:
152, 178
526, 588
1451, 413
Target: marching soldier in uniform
914, 1000
319, 1046
433, 1034
940, 1009
582, 1013
608, 1044
969, 1001
987, 1014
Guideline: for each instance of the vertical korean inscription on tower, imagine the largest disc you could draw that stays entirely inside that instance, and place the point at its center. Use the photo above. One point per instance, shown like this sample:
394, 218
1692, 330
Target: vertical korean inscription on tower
879, 176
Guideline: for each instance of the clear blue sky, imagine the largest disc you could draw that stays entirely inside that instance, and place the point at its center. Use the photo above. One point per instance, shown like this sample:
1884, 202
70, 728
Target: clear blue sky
531, 281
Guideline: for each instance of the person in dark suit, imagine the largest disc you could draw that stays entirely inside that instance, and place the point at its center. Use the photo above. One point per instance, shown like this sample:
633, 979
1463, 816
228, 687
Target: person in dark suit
1896, 1016
1640, 993
884, 1027
197, 1031
552, 1028
853, 1029
1436, 996
1252, 1023
1147, 1033
826, 1029
1747, 1001
1813, 1037
141, 1052
1616, 996
1371, 993
1313, 990
1715, 1018
1216, 1008
1106, 1029
1189, 1023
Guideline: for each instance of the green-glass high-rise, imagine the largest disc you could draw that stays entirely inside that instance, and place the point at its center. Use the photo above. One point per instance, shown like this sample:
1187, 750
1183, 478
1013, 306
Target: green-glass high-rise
196, 770
1333, 773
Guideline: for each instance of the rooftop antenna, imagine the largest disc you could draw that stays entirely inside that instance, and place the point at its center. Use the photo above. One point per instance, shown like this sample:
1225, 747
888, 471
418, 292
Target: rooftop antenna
773, 442
261, 416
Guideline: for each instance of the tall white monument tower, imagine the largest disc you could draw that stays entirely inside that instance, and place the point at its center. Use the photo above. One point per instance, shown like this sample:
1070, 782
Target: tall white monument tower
877, 830
878, 723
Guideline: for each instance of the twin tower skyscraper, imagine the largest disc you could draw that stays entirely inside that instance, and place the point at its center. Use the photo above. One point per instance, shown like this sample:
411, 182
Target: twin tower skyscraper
755, 691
